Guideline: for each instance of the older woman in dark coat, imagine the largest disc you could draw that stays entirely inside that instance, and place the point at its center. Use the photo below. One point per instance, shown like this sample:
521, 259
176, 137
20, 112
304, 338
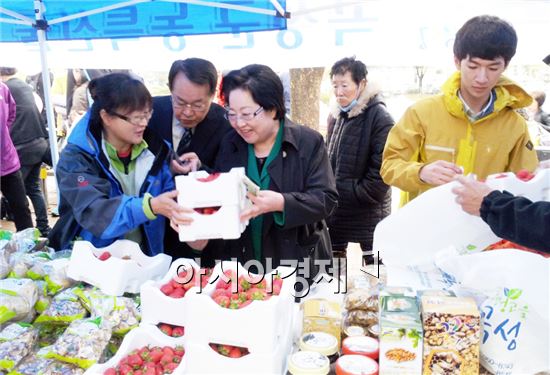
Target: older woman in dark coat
358, 128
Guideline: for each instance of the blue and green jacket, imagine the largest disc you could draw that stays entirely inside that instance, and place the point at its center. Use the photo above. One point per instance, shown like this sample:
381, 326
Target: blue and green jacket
93, 206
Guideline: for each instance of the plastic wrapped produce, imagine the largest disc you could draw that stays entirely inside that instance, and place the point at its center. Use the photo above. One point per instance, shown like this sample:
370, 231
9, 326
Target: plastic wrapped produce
17, 340
28, 265
64, 308
49, 333
121, 312
17, 298
56, 275
82, 343
44, 300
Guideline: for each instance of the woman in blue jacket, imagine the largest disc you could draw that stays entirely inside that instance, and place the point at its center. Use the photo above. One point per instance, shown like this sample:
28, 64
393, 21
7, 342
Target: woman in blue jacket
114, 176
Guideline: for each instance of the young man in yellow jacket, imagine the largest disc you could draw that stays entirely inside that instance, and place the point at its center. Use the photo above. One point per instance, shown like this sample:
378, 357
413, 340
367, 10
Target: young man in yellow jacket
472, 126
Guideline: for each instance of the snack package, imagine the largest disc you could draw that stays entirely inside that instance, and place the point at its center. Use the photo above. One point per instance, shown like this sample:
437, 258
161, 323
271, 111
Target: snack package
18, 340
44, 300
82, 343
361, 318
361, 299
64, 308
32, 365
49, 333
121, 312
17, 297
28, 264
56, 275
26, 239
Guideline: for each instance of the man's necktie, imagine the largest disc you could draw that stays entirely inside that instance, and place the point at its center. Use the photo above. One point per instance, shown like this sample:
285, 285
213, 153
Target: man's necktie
185, 142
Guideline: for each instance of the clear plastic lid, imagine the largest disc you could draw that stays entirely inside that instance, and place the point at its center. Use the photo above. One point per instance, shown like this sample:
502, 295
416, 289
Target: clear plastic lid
319, 342
308, 363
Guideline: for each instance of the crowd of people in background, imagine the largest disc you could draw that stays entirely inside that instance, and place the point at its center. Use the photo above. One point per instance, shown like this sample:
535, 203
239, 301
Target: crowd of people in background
116, 173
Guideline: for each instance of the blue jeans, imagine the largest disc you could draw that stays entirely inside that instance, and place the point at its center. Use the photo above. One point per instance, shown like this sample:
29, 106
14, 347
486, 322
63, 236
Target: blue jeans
31, 177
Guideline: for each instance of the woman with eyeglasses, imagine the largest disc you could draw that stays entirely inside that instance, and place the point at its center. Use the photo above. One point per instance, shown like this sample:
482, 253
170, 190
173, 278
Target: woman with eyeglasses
114, 176
287, 161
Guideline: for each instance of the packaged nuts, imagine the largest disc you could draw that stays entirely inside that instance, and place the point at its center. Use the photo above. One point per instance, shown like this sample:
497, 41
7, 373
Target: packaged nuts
452, 335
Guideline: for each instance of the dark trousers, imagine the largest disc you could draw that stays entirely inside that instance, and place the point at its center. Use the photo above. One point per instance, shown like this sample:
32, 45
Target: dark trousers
13, 189
31, 178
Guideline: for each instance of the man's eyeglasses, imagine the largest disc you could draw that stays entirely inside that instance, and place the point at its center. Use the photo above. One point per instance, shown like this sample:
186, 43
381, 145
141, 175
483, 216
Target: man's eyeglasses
234, 117
135, 120
198, 107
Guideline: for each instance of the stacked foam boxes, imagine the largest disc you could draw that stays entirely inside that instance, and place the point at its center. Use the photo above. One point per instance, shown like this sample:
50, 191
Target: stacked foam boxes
218, 200
263, 327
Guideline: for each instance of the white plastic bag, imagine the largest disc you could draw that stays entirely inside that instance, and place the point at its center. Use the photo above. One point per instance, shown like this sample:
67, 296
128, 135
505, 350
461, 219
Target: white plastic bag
514, 308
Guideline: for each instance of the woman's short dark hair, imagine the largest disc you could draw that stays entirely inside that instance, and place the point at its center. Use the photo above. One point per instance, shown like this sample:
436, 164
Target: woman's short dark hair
263, 84
199, 71
7, 71
486, 37
116, 91
357, 69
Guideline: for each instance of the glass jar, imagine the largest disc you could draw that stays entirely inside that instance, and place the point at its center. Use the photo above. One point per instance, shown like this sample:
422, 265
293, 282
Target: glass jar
308, 363
353, 364
361, 345
320, 342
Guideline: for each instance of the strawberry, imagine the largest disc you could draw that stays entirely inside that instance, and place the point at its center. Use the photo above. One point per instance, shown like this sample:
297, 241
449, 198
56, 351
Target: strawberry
125, 370
179, 351
166, 359
235, 353
210, 177
234, 304
221, 292
155, 354
178, 331
166, 329
276, 289
223, 301
168, 350
244, 284
110, 371
224, 349
150, 371
170, 367
135, 361
256, 294
524, 175
223, 284
104, 256
138, 372
167, 289
178, 293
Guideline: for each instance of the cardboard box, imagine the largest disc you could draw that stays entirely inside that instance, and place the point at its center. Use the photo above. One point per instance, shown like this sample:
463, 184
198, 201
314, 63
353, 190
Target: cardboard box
452, 335
400, 335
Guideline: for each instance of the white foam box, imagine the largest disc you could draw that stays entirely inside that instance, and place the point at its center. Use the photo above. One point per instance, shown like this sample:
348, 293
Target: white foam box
202, 359
258, 326
227, 191
144, 335
116, 276
536, 189
156, 307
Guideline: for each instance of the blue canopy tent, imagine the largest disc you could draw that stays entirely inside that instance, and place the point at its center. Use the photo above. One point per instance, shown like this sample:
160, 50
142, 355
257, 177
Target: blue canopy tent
41, 20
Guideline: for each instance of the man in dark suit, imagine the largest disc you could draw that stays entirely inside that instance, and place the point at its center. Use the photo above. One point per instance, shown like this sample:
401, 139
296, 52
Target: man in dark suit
187, 118
191, 123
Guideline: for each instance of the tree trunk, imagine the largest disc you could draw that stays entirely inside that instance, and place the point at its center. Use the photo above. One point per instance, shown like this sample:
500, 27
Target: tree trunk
305, 86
